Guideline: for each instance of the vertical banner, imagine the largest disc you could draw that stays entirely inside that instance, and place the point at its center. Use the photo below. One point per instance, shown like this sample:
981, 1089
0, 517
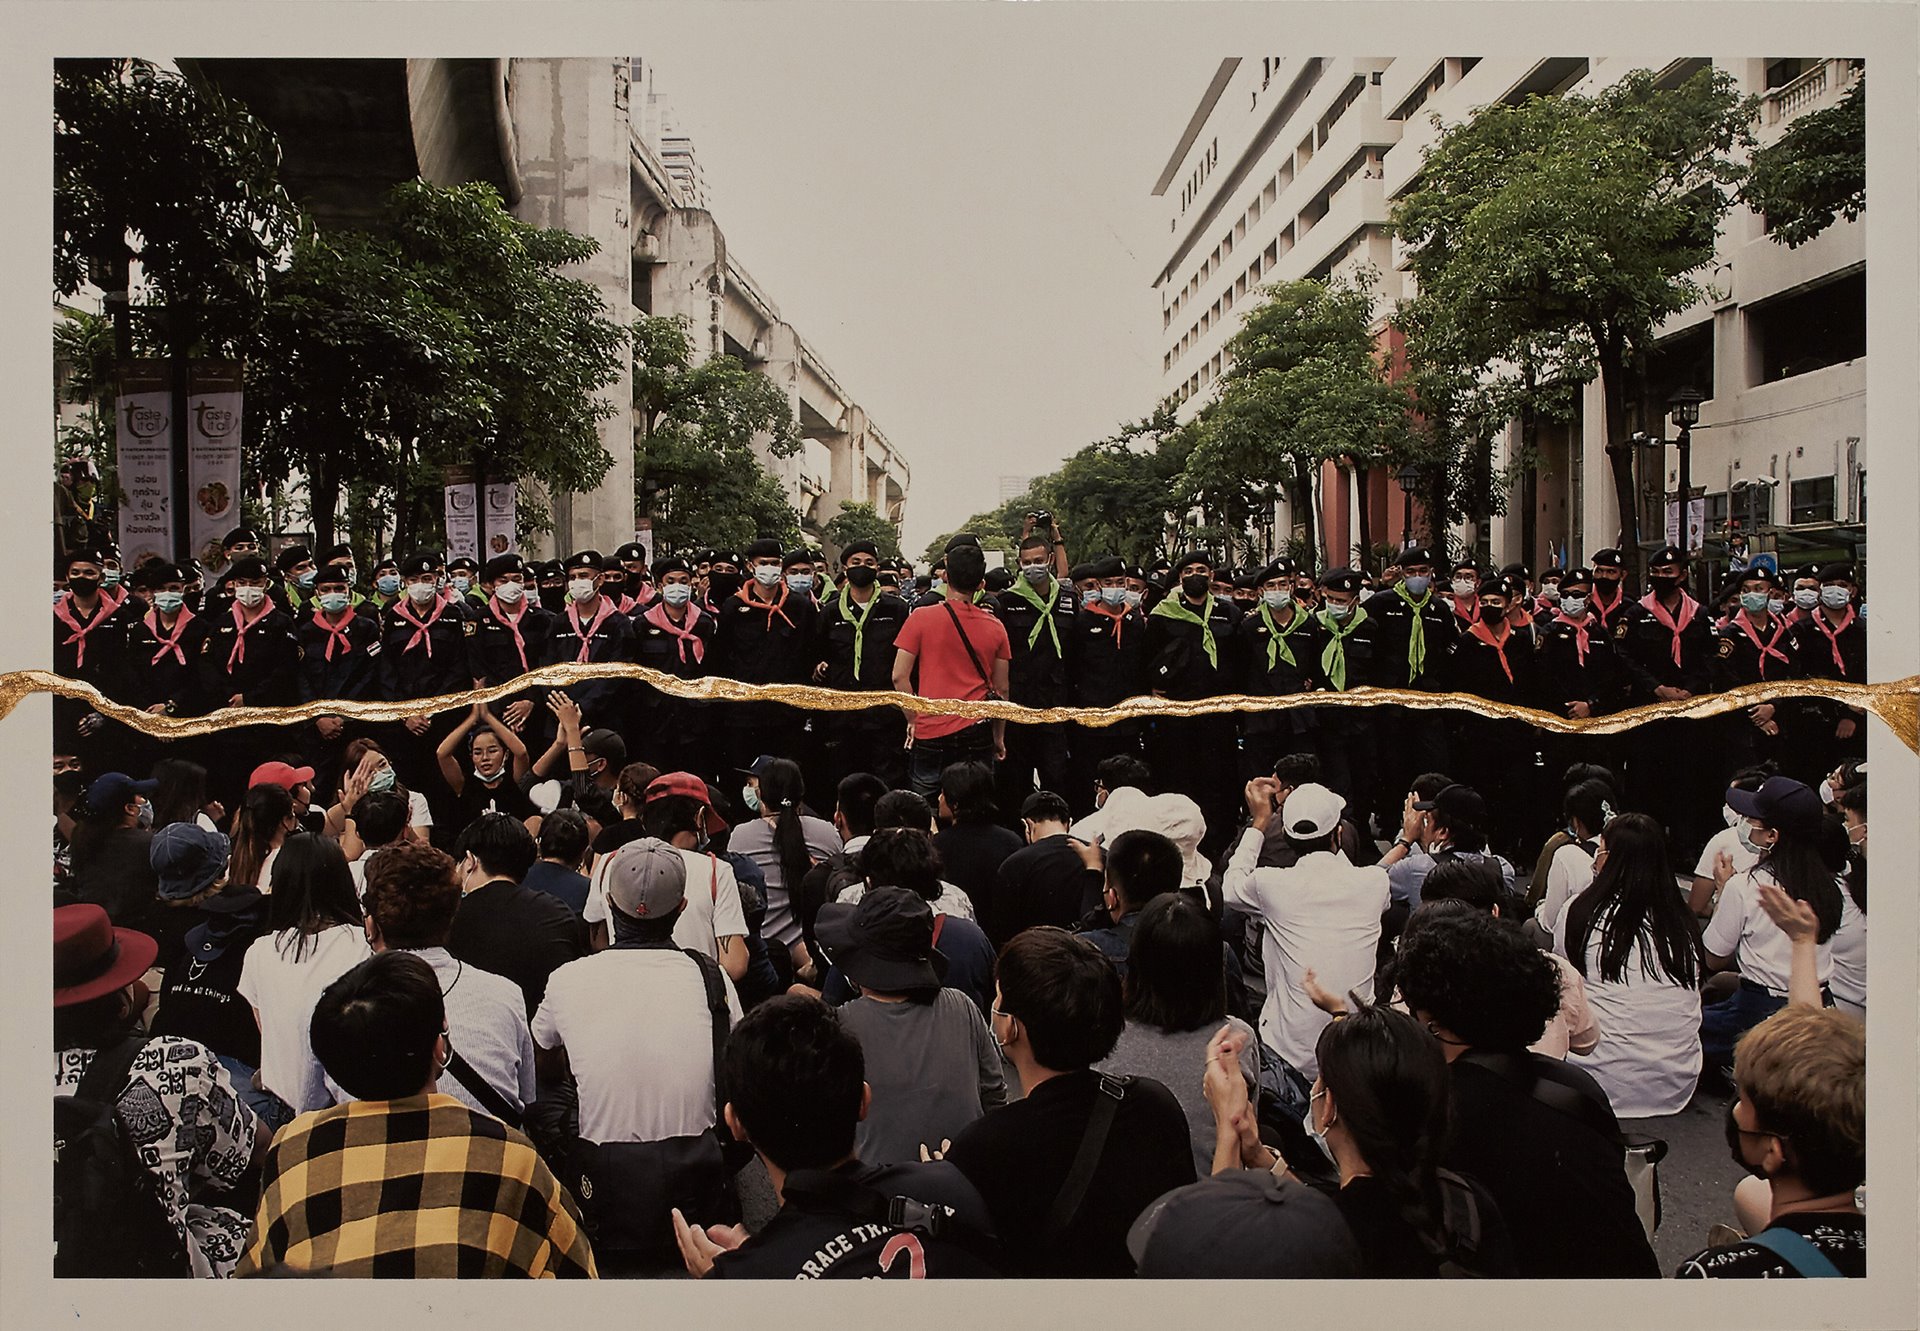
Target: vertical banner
463, 514
643, 533
503, 537
143, 422
1696, 524
213, 455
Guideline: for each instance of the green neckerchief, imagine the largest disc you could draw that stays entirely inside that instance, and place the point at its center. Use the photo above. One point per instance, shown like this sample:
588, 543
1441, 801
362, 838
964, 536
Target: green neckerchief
1024, 590
859, 625
1417, 635
1334, 659
1277, 637
1170, 607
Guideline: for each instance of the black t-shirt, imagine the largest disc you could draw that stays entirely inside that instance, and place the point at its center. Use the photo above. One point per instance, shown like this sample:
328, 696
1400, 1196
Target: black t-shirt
117, 875
971, 855
557, 880
815, 1238
476, 797
1840, 1236
200, 997
1019, 1155
1044, 883
1390, 1247
615, 835
526, 936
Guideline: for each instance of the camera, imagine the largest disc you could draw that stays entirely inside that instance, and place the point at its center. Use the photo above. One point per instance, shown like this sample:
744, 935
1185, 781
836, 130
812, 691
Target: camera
1041, 518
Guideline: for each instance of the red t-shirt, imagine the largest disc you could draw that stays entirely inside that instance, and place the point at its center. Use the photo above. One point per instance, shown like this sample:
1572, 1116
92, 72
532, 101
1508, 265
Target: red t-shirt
946, 671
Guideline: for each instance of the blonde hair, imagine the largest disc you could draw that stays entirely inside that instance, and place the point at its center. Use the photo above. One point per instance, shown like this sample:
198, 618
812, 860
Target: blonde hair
1804, 1072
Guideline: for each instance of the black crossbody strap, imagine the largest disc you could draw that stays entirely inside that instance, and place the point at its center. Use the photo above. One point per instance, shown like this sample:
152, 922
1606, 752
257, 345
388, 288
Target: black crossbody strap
722, 1023
972, 655
106, 1075
1535, 1074
477, 1086
1107, 1095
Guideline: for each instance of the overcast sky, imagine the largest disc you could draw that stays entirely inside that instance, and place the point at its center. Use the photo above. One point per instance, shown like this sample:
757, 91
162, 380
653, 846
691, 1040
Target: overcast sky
954, 212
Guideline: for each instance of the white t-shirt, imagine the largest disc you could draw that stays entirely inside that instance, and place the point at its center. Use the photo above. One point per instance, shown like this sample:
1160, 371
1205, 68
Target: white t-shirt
1728, 840
713, 901
1568, 874
639, 1038
419, 812
1741, 928
284, 993
1322, 914
1648, 1058
1849, 982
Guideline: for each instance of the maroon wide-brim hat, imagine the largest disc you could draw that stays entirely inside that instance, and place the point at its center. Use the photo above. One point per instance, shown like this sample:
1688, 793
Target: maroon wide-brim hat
91, 958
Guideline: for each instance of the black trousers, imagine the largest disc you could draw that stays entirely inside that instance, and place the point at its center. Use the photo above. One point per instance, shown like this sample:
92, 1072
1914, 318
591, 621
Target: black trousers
1199, 757
1032, 751
1088, 747
873, 740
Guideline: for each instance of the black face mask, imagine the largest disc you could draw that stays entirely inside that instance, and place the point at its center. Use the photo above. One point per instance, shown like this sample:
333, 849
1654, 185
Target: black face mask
1493, 614
1733, 1144
723, 585
553, 598
1196, 585
83, 587
1664, 585
863, 576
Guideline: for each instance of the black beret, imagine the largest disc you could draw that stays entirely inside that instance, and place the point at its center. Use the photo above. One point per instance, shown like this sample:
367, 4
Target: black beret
248, 566
1279, 568
1608, 558
1666, 554
463, 564
1839, 571
793, 557
999, 579
1340, 580
1419, 554
1575, 577
583, 559
238, 535
415, 565
386, 562
727, 557
293, 554
671, 564
1467, 561
859, 548
1079, 572
1520, 571
1496, 586
502, 564
1192, 557
340, 551
764, 548
330, 573
1110, 567
631, 550
85, 554
961, 538
159, 573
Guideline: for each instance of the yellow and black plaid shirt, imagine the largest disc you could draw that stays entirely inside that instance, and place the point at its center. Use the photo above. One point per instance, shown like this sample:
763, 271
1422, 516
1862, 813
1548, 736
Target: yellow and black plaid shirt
416, 1188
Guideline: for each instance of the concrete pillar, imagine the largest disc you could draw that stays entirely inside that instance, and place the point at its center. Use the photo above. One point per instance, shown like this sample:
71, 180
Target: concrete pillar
782, 367
572, 133
690, 280
1599, 511
847, 454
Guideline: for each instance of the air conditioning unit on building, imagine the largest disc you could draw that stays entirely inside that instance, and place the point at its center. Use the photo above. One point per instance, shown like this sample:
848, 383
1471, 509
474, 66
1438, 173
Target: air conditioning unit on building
646, 247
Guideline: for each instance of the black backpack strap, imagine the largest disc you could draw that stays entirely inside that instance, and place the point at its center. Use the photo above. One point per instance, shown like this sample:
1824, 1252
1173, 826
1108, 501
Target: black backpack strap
1535, 1073
835, 1190
722, 1023
1107, 1095
476, 1086
106, 1075
967, 643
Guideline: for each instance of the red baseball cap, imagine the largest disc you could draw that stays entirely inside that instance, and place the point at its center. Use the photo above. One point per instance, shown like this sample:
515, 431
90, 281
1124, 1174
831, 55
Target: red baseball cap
279, 774
686, 783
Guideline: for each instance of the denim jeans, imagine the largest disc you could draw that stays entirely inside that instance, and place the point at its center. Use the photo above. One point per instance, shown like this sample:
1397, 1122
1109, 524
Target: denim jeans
267, 1106
1723, 1023
930, 757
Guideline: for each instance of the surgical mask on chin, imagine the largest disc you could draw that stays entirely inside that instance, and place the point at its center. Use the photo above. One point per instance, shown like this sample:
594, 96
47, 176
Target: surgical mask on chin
1753, 603
1835, 598
766, 574
489, 777
582, 589
1806, 597
1277, 597
380, 780
1418, 586
751, 798
1573, 606
422, 592
510, 593
387, 583
250, 597
677, 593
334, 602
1113, 595
168, 602
800, 582
1034, 573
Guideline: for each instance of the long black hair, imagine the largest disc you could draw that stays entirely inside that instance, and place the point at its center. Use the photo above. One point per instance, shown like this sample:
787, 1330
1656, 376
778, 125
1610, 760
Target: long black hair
312, 890
1796, 862
782, 788
182, 791
1632, 902
263, 811
1174, 979
1390, 1087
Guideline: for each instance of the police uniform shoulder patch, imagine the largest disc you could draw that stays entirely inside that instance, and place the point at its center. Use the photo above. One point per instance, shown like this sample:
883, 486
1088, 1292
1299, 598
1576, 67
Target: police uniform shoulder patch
373, 647
469, 628
1620, 630
1726, 646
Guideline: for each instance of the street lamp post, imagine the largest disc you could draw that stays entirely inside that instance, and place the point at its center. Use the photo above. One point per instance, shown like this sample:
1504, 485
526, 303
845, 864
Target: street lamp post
1409, 480
1684, 406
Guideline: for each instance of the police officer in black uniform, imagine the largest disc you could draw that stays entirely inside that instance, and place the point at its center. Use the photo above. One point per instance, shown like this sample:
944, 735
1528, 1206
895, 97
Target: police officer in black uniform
511, 631
1492, 659
1753, 645
249, 658
1280, 649
1349, 660
1830, 642
672, 634
591, 630
426, 650
765, 635
1038, 612
161, 668
339, 659
1191, 654
1666, 642
1107, 662
1416, 627
858, 624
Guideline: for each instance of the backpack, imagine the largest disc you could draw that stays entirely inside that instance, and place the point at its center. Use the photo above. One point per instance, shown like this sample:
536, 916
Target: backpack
108, 1220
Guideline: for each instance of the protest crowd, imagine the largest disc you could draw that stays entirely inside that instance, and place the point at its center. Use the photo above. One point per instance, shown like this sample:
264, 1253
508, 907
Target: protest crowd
596, 980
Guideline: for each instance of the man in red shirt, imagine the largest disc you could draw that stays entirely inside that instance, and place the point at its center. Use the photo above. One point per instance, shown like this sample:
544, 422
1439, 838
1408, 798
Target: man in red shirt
953, 649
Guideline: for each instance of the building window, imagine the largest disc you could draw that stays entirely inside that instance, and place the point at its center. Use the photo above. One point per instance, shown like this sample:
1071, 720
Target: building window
1809, 330
1811, 500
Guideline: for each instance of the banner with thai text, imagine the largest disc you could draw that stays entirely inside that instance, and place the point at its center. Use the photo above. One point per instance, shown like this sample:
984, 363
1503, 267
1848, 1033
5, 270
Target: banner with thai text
463, 514
143, 433
214, 398
502, 532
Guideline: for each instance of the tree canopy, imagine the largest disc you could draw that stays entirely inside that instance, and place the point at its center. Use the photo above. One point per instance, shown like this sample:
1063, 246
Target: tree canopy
863, 522
1815, 174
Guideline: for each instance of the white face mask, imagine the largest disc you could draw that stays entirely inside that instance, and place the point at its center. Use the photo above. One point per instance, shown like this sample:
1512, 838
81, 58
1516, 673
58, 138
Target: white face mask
1277, 597
1776, 604
422, 591
1806, 597
1113, 595
1727, 812
1573, 606
1826, 792
766, 574
676, 593
582, 589
1747, 832
1835, 598
1133, 598
510, 593
489, 775
250, 597
1464, 586
1319, 1136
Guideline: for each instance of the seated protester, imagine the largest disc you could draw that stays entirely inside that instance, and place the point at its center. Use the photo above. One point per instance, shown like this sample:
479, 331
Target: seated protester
563, 848
367, 771
677, 809
499, 762
971, 843
1587, 807
381, 821
1172, 815
404, 1180
1046, 880
1800, 1122
191, 866
1298, 769
905, 857
1140, 868
1735, 841
909, 809
261, 826
210, 1144
1176, 1002
112, 852
290, 775
412, 894
1849, 983
1785, 822
931, 1064
1575, 774
647, 1088
796, 1091
855, 799
501, 926
1323, 914
314, 936
1057, 1011
629, 795
784, 840
1632, 939
1535, 1132
1452, 824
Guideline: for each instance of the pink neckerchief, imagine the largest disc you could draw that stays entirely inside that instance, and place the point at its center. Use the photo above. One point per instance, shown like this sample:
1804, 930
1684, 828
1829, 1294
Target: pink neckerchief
1480, 630
241, 624
625, 604
656, 615
80, 631
1832, 635
513, 625
1579, 627
1767, 648
115, 597
1118, 616
771, 607
586, 635
336, 633
152, 621
420, 626
1688, 608
1601, 609
1471, 615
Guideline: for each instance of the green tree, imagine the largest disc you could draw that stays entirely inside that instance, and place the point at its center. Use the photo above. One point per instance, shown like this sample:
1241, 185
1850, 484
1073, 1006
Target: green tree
1112, 496
862, 522
1572, 226
1814, 174
447, 336
694, 445
1306, 387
